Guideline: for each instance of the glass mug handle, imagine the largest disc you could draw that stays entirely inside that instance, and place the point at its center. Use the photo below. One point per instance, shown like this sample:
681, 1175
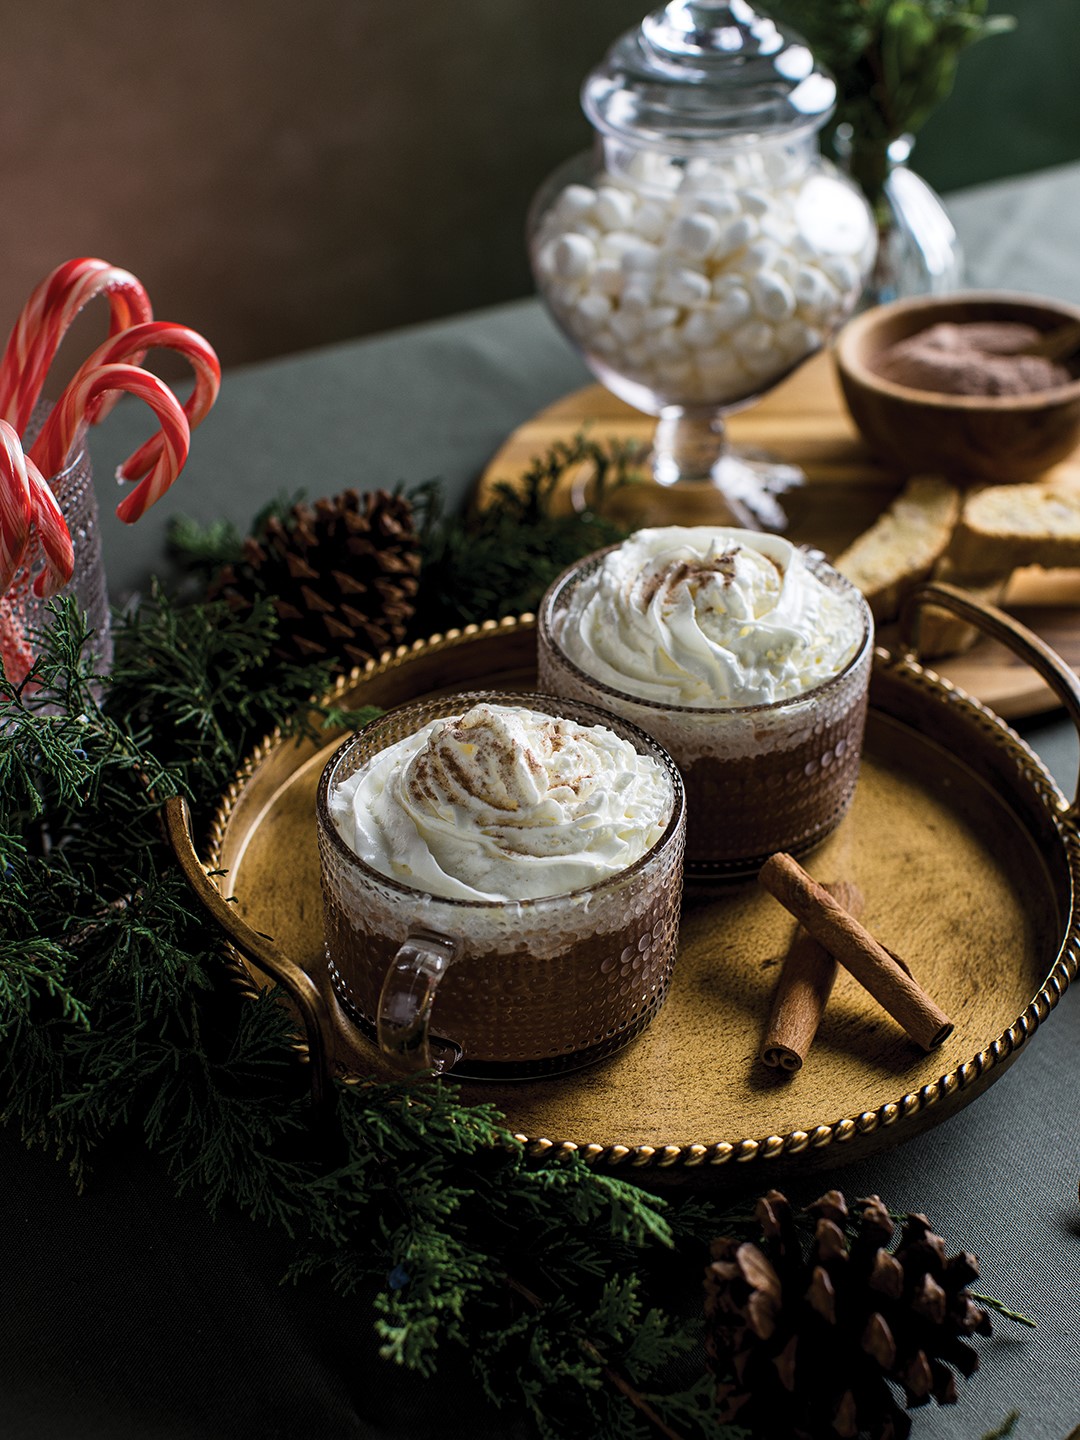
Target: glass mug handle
406, 1001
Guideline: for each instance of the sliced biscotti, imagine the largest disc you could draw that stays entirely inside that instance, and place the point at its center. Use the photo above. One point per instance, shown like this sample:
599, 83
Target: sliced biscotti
943, 633
1006, 526
903, 545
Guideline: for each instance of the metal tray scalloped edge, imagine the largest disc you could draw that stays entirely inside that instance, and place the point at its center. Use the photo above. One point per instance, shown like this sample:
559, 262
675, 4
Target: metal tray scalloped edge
769, 1147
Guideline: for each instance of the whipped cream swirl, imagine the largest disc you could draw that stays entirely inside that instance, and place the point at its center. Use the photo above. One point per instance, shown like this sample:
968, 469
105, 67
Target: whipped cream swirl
713, 617
504, 803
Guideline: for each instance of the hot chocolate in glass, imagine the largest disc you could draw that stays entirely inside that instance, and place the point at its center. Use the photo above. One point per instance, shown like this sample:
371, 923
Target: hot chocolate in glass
747, 658
501, 881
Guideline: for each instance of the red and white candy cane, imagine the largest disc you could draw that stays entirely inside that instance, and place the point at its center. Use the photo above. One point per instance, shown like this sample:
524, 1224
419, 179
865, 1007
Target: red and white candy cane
16, 506
46, 318
53, 533
131, 345
67, 423
26, 499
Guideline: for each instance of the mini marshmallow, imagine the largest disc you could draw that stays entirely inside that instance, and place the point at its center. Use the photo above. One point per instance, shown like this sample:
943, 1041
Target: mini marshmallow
726, 280
733, 308
761, 255
593, 309
700, 327
651, 220
778, 226
685, 287
575, 203
734, 236
607, 278
754, 339
545, 260
815, 294
786, 265
844, 273
641, 255
564, 293
617, 243
573, 256
667, 344
614, 209
721, 207
756, 202
773, 297
696, 234
796, 339
767, 365
626, 324
659, 316
638, 296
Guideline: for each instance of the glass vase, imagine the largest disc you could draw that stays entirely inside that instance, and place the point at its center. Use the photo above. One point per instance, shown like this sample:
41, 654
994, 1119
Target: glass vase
918, 251
24, 615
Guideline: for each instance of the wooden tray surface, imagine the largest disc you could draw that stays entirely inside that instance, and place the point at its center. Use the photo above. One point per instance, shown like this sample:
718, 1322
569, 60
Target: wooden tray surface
805, 422
954, 881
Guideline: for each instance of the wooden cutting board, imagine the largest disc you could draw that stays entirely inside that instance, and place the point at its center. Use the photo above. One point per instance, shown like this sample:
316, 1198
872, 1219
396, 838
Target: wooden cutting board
804, 422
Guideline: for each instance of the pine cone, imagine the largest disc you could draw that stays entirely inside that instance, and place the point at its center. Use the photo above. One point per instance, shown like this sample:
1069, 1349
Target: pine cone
342, 574
805, 1342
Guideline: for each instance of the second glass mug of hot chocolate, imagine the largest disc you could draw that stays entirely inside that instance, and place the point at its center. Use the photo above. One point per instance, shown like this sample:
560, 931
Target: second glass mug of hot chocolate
499, 988
770, 765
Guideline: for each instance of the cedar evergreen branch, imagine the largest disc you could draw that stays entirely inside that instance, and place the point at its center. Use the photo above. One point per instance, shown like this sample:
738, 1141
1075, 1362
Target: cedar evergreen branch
574, 1295
116, 1021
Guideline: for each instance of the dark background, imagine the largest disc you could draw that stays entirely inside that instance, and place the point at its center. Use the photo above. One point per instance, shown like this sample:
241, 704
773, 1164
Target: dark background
281, 175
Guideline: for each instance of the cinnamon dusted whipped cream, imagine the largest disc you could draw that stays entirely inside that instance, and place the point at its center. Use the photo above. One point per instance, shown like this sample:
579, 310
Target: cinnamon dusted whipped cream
504, 803
710, 617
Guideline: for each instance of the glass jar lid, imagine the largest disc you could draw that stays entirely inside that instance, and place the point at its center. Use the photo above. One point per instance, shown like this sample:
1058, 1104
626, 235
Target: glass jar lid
702, 73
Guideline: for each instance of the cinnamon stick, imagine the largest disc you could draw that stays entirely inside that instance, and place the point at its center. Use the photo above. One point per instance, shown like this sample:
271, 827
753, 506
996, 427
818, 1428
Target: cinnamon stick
857, 950
803, 990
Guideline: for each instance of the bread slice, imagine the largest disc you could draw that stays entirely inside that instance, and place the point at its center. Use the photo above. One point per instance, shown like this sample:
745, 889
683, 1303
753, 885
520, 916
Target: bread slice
903, 544
1005, 526
943, 633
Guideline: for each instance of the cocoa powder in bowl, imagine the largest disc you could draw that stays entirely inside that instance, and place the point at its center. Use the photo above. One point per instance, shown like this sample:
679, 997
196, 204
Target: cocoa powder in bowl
971, 358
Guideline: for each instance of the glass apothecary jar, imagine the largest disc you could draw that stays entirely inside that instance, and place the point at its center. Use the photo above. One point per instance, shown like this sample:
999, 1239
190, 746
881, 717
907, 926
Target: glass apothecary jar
704, 248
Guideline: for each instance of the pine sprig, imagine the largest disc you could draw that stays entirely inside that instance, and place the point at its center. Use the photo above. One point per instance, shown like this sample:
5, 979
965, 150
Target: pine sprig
572, 1293
500, 561
204, 684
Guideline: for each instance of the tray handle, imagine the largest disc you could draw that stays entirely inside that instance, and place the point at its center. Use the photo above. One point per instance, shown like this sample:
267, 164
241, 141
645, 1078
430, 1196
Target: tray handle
259, 949
1023, 642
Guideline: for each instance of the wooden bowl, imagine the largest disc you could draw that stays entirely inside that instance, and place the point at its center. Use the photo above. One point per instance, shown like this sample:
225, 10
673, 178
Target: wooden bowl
996, 438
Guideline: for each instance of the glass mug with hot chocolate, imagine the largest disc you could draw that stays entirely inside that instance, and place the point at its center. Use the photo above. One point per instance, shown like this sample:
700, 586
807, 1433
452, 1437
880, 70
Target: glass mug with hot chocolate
746, 657
501, 879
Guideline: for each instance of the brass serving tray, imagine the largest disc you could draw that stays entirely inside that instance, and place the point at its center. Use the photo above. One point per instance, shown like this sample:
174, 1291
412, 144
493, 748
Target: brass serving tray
965, 849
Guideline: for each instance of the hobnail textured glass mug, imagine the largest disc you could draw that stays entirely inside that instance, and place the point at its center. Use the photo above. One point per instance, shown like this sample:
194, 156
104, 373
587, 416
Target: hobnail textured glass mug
499, 989
759, 778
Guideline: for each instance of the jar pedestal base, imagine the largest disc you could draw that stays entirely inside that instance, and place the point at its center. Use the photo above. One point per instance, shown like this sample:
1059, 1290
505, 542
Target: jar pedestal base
741, 490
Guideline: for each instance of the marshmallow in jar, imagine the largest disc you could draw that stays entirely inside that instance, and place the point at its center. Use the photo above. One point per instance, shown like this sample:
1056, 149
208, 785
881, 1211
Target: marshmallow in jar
710, 248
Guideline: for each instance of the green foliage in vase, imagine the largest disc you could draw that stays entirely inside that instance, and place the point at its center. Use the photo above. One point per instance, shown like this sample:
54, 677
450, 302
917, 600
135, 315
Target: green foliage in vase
895, 62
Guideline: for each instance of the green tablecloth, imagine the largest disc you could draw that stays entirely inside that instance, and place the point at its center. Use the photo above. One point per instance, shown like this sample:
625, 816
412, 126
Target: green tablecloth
83, 1299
